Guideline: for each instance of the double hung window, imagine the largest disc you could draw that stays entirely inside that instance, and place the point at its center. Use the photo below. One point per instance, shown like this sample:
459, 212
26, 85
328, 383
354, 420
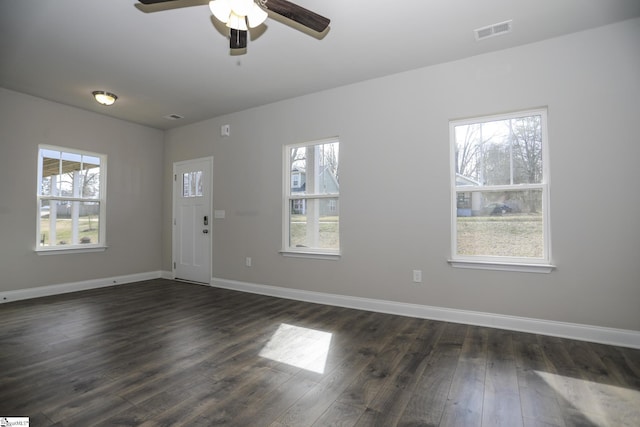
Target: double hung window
500, 192
71, 199
311, 198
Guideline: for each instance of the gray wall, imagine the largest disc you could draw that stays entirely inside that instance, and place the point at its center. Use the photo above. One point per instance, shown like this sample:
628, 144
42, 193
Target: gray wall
391, 222
399, 220
134, 192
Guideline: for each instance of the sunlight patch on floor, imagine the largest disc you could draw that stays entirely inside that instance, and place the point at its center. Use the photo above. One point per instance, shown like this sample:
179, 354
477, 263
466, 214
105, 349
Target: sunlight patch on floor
300, 347
600, 404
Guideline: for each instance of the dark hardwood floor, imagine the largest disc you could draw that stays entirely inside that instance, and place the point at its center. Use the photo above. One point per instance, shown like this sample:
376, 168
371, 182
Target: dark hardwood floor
163, 353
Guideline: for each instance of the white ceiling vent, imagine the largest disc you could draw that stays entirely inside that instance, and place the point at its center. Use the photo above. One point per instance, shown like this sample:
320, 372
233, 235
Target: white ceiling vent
173, 117
493, 30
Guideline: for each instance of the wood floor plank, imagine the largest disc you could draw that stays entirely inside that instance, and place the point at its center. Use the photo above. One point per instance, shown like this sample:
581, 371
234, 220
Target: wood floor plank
272, 405
578, 401
367, 339
165, 353
464, 405
313, 404
613, 402
370, 382
254, 388
389, 404
427, 403
501, 405
617, 365
539, 401
339, 415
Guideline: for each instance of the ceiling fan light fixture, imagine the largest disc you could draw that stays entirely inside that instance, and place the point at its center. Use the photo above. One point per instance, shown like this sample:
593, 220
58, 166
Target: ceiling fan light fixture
104, 97
256, 16
221, 9
236, 13
241, 7
237, 22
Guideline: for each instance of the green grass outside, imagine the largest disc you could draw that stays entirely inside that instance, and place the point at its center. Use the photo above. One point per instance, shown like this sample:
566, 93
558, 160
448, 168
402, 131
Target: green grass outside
518, 235
508, 235
87, 229
328, 231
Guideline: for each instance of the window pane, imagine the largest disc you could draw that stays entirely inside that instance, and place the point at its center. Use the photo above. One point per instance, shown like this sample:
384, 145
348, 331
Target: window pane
46, 186
500, 152
192, 184
89, 181
89, 222
314, 223
65, 182
186, 185
505, 223
70, 175
314, 169
50, 172
69, 223
198, 183
193, 187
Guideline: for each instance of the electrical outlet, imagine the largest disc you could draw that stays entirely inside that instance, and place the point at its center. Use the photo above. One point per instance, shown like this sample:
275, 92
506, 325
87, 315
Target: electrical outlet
417, 276
247, 261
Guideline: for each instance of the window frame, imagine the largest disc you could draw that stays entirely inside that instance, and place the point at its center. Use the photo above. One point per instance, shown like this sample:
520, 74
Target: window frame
492, 262
101, 200
288, 197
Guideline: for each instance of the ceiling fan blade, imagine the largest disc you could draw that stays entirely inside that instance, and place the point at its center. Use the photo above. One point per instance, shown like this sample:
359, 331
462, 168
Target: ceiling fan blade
150, 6
154, 1
238, 39
295, 13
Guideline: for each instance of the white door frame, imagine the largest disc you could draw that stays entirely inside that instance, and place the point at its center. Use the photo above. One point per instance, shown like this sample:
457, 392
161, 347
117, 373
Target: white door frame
174, 241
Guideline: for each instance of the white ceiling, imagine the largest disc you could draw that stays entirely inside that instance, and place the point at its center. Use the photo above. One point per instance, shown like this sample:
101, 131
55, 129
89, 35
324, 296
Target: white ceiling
178, 61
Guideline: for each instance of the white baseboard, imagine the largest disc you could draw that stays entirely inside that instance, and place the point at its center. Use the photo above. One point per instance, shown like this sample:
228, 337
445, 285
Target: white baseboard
63, 288
610, 336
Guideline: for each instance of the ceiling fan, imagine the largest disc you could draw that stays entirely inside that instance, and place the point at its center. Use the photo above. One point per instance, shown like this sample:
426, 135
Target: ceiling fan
239, 15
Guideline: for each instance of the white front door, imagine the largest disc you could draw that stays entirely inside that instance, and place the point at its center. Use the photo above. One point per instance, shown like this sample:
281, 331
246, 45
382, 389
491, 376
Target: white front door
192, 220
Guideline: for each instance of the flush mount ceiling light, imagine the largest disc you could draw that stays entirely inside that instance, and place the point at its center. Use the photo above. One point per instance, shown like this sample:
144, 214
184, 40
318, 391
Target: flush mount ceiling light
104, 97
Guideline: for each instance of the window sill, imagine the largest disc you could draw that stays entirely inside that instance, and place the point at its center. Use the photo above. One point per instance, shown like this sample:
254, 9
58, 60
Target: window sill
488, 265
70, 250
312, 255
